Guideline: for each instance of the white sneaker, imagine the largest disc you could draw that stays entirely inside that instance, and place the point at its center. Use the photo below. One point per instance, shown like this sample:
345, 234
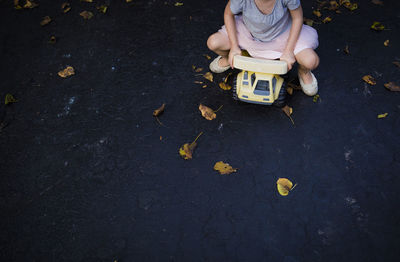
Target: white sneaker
309, 89
216, 68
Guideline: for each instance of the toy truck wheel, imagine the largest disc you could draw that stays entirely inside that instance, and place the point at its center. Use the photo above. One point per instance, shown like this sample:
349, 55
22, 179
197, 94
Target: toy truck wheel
234, 88
281, 100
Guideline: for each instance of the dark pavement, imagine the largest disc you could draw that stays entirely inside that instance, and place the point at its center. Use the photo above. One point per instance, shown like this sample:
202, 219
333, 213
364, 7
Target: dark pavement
85, 177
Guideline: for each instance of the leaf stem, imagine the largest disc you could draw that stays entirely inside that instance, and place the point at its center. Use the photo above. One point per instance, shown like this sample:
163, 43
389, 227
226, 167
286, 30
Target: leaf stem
197, 138
218, 109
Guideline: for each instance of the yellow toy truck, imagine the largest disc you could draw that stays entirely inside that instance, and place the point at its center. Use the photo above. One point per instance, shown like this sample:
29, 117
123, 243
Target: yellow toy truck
259, 82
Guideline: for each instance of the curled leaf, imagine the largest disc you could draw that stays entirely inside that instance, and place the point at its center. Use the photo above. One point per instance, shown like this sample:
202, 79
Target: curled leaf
327, 20
86, 14
392, 87
377, 26
208, 76
102, 8
224, 168
224, 86
288, 111
317, 13
369, 79
289, 90
207, 112
351, 6
30, 4
284, 186
386, 43
186, 151
207, 57
45, 20
383, 115
68, 71
9, 99
65, 7
159, 110
333, 5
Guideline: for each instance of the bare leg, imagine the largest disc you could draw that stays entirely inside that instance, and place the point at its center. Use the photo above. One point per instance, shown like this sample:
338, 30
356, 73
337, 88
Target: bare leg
219, 44
308, 60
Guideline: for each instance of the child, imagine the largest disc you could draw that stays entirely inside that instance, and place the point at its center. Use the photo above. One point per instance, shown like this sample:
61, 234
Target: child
271, 29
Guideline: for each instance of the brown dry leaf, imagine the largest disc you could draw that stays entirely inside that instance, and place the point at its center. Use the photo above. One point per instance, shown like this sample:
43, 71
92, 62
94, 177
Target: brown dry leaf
65, 7
198, 82
53, 39
87, 1
186, 151
351, 6
128, 1
386, 43
327, 20
86, 14
159, 110
204, 86
341, 2
369, 79
68, 71
392, 87
289, 90
198, 70
383, 115
224, 168
30, 4
45, 20
308, 21
288, 111
333, 5
396, 63
207, 112
317, 13
377, 26
284, 186
346, 50
377, 2
224, 86
208, 76
102, 8
207, 57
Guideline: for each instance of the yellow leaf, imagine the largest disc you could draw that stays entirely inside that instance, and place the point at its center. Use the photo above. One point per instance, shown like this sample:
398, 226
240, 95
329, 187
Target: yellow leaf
392, 87
198, 82
204, 86
45, 20
29, 4
386, 43
377, 26
198, 70
87, 1
308, 21
68, 71
53, 39
327, 20
208, 76
102, 9
351, 6
383, 115
288, 111
128, 1
369, 79
284, 186
289, 90
86, 14
159, 111
207, 57
224, 168
9, 99
207, 112
65, 7
186, 151
18, 7
225, 86
178, 4
333, 5
315, 98
317, 13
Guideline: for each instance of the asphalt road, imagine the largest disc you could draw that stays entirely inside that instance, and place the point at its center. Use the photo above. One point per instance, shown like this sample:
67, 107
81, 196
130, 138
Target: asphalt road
88, 174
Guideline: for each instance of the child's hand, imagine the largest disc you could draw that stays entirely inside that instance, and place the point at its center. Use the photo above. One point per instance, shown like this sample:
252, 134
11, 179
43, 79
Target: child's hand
234, 51
289, 58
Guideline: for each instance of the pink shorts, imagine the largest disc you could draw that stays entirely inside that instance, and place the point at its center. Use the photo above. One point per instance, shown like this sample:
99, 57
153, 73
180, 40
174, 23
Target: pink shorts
308, 38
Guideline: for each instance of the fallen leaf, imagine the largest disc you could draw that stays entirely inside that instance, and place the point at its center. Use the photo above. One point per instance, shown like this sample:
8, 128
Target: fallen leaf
224, 86
17, 7
317, 13
178, 4
186, 151
386, 43
315, 98
208, 76
284, 186
198, 70
128, 1
68, 71
160, 138
87, 1
392, 87
159, 111
383, 115
333, 5
346, 50
207, 112
224, 168
86, 14
227, 77
9, 99
369, 79
377, 26
295, 87
341, 2
204, 86
327, 20
351, 6
396, 63
289, 90
198, 82
308, 21
45, 20
288, 111
377, 2
29, 4
65, 7
207, 57
53, 39
102, 8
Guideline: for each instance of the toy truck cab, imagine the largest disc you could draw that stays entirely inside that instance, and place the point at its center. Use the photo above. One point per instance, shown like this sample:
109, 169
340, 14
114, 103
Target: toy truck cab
259, 82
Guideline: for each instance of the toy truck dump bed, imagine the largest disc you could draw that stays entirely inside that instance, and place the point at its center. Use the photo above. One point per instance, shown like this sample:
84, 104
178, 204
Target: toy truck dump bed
260, 65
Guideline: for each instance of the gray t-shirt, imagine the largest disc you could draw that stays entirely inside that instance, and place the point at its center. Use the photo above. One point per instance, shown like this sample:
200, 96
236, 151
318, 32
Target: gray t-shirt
265, 27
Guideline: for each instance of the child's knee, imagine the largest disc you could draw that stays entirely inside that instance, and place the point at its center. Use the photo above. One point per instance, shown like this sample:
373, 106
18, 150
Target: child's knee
311, 61
212, 42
